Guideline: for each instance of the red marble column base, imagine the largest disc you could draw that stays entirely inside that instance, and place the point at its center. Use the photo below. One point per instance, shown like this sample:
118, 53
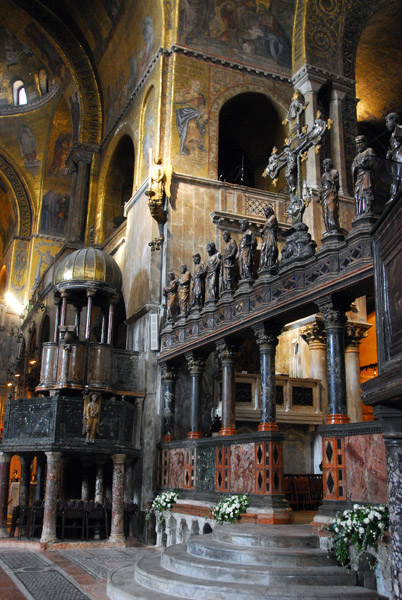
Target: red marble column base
337, 419
227, 431
268, 427
168, 438
193, 435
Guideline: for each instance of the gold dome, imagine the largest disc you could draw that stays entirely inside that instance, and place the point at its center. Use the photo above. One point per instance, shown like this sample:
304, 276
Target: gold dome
89, 265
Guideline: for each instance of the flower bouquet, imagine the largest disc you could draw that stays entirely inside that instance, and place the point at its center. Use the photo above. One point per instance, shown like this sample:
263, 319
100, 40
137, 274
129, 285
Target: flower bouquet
229, 509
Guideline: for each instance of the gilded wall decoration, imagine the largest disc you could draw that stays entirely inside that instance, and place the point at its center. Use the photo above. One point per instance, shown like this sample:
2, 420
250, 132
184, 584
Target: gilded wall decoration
149, 135
54, 213
24, 208
245, 30
43, 252
8, 214
18, 271
323, 31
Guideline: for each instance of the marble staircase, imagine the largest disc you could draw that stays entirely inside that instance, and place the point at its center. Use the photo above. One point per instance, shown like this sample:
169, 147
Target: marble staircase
240, 562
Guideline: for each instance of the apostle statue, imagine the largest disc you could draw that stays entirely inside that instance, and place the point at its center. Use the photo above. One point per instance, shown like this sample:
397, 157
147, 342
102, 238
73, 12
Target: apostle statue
248, 246
184, 290
200, 272
363, 177
91, 417
170, 291
328, 196
213, 271
269, 248
395, 145
228, 262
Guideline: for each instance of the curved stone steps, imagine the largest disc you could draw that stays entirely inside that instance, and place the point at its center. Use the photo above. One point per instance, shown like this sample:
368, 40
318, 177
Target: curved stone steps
178, 560
238, 554
268, 536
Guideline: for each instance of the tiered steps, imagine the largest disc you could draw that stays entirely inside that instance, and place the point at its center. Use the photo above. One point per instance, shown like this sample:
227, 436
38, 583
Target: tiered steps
235, 562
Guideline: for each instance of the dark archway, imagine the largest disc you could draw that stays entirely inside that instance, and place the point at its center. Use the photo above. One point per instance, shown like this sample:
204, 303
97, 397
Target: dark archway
249, 127
119, 183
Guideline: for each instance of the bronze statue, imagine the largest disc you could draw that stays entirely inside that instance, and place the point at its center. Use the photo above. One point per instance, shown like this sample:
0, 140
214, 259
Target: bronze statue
248, 246
363, 177
228, 262
91, 417
200, 272
213, 271
328, 196
269, 248
184, 290
395, 146
170, 291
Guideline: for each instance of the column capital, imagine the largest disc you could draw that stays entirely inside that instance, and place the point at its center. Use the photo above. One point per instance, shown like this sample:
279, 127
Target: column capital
266, 335
169, 372
54, 456
227, 352
333, 313
195, 363
354, 333
118, 459
90, 292
313, 334
5, 457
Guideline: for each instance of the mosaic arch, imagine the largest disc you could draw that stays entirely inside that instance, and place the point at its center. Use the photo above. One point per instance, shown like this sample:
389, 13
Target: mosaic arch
221, 98
24, 220
66, 60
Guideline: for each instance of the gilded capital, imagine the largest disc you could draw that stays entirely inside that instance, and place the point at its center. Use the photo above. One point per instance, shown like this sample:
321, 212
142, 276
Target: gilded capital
226, 352
354, 333
314, 333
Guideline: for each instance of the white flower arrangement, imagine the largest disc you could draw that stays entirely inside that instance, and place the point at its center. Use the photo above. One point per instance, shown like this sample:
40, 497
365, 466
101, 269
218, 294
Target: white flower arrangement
163, 502
229, 509
362, 526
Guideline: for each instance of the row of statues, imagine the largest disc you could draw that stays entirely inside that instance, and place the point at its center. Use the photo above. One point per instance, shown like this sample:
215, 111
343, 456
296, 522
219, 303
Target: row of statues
222, 271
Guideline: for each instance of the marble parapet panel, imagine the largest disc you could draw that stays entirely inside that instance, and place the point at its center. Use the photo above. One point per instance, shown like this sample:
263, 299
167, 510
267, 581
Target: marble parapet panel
366, 475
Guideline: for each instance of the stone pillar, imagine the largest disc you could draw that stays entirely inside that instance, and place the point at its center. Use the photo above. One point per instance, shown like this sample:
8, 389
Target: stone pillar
52, 485
99, 480
227, 355
5, 460
314, 335
110, 324
57, 302
117, 529
77, 320
25, 480
103, 328
169, 376
90, 299
128, 480
267, 340
64, 295
310, 88
334, 318
354, 334
79, 165
391, 421
337, 137
196, 367
85, 492
40, 478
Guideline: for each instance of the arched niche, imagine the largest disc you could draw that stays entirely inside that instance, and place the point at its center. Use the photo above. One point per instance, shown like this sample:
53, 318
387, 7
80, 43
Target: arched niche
249, 127
118, 184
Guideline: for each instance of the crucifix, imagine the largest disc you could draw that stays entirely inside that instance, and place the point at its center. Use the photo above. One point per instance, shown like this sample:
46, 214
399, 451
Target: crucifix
299, 244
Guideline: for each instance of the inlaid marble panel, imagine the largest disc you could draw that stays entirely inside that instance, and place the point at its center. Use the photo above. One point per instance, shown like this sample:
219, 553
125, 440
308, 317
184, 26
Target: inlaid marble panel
205, 478
242, 468
366, 474
176, 467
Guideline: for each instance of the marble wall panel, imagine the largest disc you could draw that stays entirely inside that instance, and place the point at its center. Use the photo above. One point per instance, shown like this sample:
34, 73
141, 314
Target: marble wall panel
176, 467
366, 475
205, 478
242, 468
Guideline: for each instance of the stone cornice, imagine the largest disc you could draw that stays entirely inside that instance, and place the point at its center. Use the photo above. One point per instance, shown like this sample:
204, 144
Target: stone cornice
322, 75
35, 104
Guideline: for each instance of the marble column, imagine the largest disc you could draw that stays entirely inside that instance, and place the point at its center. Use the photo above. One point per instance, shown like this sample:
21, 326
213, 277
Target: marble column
227, 355
85, 491
52, 486
354, 334
128, 480
196, 367
40, 478
310, 88
267, 340
110, 324
334, 318
77, 320
57, 303
64, 295
337, 137
169, 376
90, 299
117, 528
99, 480
391, 421
79, 166
25, 480
314, 335
5, 460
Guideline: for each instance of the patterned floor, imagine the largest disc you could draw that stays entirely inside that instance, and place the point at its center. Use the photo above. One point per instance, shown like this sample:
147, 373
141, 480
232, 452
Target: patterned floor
63, 575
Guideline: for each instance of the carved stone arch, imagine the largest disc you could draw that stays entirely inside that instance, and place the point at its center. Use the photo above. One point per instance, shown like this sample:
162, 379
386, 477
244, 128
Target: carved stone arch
22, 199
280, 103
71, 60
357, 16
